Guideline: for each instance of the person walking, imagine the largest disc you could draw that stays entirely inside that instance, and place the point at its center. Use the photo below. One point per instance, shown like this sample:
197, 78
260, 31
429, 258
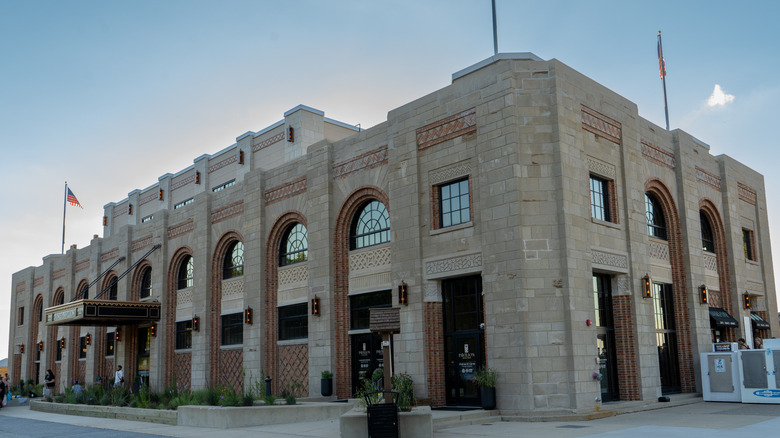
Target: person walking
119, 376
48, 381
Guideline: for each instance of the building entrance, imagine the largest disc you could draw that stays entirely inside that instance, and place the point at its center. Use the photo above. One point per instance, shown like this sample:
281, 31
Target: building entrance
666, 338
605, 337
366, 357
464, 339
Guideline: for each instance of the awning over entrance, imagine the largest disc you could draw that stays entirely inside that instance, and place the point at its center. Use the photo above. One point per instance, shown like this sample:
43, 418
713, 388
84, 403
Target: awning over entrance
721, 318
103, 313
759, 323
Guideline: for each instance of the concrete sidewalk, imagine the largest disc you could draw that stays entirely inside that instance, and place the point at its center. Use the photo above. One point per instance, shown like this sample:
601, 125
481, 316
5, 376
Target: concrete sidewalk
696, 419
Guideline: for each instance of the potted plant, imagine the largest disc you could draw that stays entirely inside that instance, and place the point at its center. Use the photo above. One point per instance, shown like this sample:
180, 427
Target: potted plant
326, 383
486, 379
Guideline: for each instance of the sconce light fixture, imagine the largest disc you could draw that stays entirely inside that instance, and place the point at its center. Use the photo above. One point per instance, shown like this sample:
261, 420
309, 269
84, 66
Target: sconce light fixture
88, 339
315, 306
403, 294
40, 346
703, 294
117, 335
153, 330
747, 300
21, 348
62, 343
248, 316
646, 286
195, 323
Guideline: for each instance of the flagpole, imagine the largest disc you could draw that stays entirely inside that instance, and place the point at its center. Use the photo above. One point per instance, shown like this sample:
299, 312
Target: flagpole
662, 64
64, 209
495, 31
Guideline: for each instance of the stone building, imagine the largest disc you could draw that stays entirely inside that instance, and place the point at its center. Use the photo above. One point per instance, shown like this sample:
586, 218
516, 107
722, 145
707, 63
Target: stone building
524, 217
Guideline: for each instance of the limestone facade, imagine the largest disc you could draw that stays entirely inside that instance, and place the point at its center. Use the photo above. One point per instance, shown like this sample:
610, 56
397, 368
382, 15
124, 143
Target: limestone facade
524, 138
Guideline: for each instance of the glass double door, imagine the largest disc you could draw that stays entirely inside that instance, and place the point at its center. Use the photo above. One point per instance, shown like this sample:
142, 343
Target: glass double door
666, 338
367, 356
464, 346
605, 337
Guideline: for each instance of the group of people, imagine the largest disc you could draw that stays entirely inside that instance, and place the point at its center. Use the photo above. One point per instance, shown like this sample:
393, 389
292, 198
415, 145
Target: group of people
49, 382
758, 344
5, 388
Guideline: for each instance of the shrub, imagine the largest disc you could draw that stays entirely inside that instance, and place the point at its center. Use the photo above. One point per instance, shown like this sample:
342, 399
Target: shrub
486, 377
403, 383
327, 374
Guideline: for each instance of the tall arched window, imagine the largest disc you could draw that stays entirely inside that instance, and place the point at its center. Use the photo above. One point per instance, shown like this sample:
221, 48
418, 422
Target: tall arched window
295, 246
186, 273
656, 224
707, 239
84, 293
146, 283
113, 289
233, 264
371, 226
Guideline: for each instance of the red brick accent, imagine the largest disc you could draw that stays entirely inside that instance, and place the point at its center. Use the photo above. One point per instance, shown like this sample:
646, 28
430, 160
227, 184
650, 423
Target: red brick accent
679, 286
293, 368
49, 344
268, 142
285, 221
182, 370
139, 244
231, 364
614, 211
169, 336
436, 201
434, 353
38, 281
658, 155
365, 161
109, 255
32, 344
343, 374
181, 228
227, 212
708, 178
135, 285
600, 125
81, 374
285, 191
746, 193
446, 129
216, 373
230, 160
625, 343
16, 373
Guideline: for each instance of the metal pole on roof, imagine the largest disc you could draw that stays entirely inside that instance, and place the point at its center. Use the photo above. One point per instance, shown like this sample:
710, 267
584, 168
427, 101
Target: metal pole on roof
495, 30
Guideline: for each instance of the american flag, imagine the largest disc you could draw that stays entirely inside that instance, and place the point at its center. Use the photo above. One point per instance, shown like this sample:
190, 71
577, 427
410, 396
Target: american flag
72, 199
661, 61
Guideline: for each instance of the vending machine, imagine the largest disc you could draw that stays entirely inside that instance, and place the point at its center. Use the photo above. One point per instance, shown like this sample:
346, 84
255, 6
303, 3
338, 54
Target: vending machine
720, 371
760, 381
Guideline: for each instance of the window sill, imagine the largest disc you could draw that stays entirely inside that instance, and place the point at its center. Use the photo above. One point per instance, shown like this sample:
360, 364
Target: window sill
358, 332
183, 350
301, 341
468, 224
605, 223
232, 347
752, 262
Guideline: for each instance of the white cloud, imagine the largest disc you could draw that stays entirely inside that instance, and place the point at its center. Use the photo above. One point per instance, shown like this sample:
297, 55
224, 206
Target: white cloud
719, 98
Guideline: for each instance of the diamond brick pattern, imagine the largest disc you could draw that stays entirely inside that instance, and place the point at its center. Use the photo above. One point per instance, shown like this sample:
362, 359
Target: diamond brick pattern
708, 178
227, 212
109, 255
139, 244
294, 368
149, 197
223, 163
368, 160
82, 265
449, 128
183, 182
600, 125
746, 193
285, 191
182, 369
231, 364
181, 228
268, 142
657, 155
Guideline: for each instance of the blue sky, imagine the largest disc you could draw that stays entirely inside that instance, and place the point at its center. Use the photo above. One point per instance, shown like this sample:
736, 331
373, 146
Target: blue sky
110, 95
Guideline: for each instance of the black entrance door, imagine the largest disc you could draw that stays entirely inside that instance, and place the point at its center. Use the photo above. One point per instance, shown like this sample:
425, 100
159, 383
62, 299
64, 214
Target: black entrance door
605, 337
366, 357
142, 357
666, 338
463, 339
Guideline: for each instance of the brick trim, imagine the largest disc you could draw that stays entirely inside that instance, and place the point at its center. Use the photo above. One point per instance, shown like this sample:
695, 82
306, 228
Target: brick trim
215, 308
600, 125
170, 313
725, 301
440, 131
434, 352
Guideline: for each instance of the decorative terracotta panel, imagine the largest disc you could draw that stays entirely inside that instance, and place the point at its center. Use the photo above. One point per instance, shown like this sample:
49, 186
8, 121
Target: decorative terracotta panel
285, 191
657, 155
447, 129
268, 142
601, 125
746, 193
708, 178
181, 228
365, 161
227, 212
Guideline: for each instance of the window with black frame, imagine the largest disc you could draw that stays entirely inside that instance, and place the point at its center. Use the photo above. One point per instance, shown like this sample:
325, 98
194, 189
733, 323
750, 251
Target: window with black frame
656, 223
113, 289
707, 239
233, 329
146, 283
747, 244
293, 322
185, 276
83, 347
360, 307
233, 264
370, 227
295, 245
110, 343
184, 334
599, 199
454, 203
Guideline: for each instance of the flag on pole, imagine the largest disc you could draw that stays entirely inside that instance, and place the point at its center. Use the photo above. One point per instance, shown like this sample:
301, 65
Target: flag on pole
661, 62
72, 199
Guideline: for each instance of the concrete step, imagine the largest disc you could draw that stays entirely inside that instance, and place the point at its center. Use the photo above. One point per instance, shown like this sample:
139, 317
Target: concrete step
446, 420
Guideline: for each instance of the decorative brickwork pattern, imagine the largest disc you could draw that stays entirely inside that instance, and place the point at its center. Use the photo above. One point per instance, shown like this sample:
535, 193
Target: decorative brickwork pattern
81, 374
294, 368
16, 375
349, 208
32, 341
679, 286
181, 228
109, 255
724, 301
625, 340
371, 259
434, 352
183, 182
285, 191
608, 259
453, 264
227, 212
182, 369
601, 168
293, 275
268, 142
233, 288
153, 195
37, 282
21, 286
746, 193
600, 125
223, 163
171, 303
708, 178
659, 251
657, 155
449, 174
447, 129
184, 297
82, 265
119, 211
365, 161
231, 365
59, 273
271, 349
139, 244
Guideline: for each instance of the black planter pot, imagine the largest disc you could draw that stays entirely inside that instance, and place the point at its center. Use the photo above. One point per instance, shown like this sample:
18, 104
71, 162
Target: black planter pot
488, 398
326, 387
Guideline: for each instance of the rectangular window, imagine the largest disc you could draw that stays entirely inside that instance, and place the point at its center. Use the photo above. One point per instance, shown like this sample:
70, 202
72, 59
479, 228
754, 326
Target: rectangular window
147, 218
599, 199
360, 307
83, 347
110, 343
233, 329
20, 318
748, 243
223, 186
59, 350
183, 203
184, 334
454, 203
294, 322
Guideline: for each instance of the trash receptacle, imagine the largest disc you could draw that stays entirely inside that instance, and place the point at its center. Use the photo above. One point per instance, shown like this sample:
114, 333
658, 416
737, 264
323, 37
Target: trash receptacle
382, 417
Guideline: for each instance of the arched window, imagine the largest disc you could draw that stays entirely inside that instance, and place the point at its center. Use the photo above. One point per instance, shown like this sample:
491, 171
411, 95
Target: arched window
113, 291
59, 300
656, 224
233, 264
146, 283
295, 246
84, 295
370, 227
707, 239
186, 273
